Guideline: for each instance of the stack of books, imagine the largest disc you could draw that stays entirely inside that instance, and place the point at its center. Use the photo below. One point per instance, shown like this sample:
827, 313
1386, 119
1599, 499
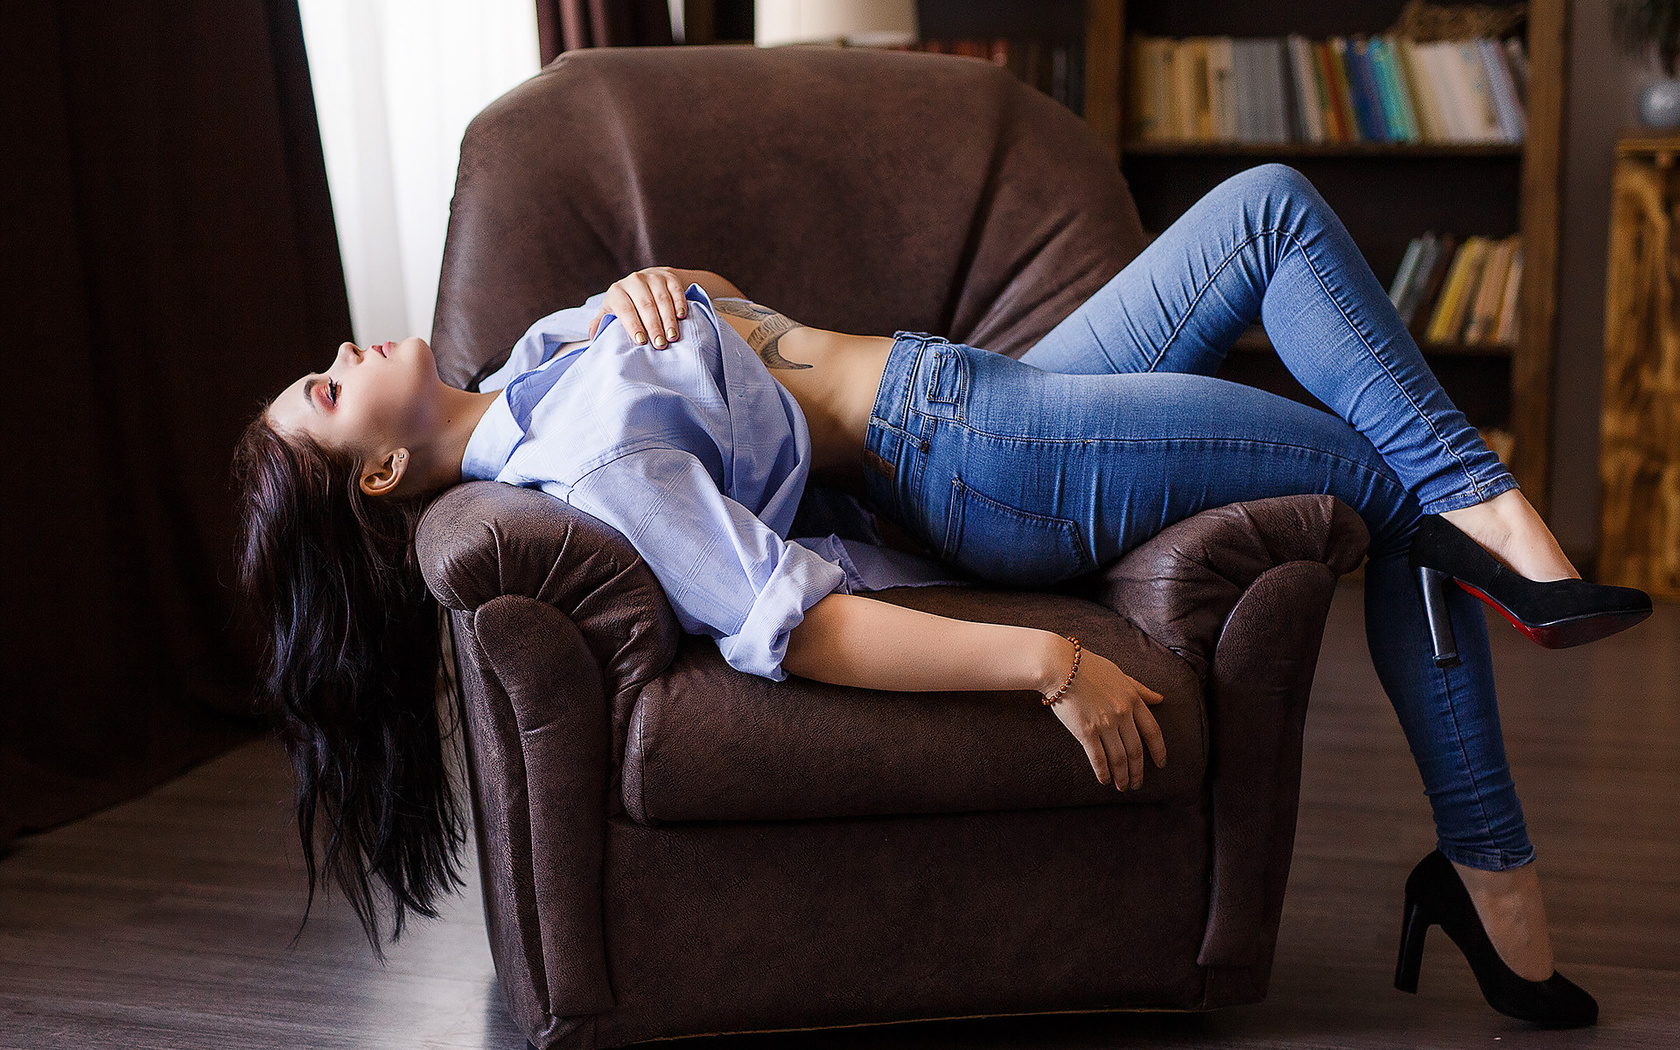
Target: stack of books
1344, 89
1055, 68
1447, 291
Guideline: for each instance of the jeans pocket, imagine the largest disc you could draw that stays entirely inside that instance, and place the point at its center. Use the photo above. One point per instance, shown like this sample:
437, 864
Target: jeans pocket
1008, 545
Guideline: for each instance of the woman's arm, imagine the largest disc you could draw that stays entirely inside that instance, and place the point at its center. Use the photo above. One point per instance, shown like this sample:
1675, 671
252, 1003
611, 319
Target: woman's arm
847, 639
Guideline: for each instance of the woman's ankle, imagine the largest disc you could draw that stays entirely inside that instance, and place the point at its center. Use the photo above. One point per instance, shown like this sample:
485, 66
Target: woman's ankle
1514, 916
1510, 529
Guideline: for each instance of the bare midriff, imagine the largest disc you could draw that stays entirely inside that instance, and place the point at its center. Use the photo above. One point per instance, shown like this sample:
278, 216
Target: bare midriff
836, 393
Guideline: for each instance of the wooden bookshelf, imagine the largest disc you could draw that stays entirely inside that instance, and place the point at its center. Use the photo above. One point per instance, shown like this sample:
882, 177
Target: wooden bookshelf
1274, 150
1385, 193
1096, 26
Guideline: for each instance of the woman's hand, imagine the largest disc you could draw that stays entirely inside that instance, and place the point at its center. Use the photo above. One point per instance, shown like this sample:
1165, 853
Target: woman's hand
1107, 711
647, 301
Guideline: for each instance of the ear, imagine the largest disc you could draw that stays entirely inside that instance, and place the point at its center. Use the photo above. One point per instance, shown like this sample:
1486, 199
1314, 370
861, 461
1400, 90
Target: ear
382, 478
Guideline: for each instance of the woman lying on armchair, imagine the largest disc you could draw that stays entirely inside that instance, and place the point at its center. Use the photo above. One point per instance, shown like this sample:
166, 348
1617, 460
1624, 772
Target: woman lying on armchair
690, 419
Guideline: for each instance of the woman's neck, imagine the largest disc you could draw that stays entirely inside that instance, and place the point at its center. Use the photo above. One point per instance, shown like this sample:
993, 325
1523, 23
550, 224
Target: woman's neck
438, 466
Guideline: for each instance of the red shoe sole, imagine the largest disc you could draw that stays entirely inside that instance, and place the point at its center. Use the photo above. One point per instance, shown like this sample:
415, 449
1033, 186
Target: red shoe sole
1567, 633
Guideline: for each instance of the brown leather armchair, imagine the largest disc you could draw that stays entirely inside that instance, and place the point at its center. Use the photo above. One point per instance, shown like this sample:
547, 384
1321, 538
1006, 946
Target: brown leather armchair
671, 847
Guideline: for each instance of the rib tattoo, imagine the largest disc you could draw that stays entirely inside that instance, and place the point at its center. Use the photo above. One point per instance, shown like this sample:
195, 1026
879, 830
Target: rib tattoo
771, 326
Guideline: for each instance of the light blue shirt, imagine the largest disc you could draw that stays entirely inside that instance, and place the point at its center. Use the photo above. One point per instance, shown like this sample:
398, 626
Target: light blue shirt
699, 457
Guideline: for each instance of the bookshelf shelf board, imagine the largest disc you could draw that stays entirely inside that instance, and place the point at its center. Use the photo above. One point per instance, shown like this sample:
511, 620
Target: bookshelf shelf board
1321, 149
1255, 340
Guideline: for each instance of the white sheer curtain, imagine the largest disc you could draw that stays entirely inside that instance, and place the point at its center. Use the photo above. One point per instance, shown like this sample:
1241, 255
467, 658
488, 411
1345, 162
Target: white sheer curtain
396, 82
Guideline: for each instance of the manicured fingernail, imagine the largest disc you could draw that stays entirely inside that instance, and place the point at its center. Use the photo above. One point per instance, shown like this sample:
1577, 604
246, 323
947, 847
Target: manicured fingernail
672, 332
641, 337
659, 341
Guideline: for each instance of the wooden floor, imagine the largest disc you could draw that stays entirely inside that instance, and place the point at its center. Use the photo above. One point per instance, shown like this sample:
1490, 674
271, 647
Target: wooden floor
164, 922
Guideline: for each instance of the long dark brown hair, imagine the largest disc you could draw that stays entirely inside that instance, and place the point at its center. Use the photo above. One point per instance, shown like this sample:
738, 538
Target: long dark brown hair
352, 655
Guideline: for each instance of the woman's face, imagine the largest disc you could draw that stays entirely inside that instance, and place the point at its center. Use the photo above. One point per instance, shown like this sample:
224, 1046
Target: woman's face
370, 402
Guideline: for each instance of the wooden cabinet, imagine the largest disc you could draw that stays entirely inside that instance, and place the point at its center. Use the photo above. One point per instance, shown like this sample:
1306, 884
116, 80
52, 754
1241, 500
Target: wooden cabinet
1639, 454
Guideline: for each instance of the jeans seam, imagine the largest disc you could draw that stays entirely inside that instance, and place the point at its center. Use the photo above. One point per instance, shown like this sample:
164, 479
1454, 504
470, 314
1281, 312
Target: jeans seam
1212, 277
1235, 251
1469, 766
1200, 440
1475, 486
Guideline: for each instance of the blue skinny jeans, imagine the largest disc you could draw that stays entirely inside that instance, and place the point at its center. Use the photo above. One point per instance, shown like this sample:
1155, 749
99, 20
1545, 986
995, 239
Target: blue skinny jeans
1113, 427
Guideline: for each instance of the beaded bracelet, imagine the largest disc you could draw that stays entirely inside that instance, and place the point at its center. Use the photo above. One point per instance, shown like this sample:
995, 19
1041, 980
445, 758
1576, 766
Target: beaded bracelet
1069, 680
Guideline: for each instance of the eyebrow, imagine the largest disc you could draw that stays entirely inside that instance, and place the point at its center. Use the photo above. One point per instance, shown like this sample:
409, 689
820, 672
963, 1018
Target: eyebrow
309, 393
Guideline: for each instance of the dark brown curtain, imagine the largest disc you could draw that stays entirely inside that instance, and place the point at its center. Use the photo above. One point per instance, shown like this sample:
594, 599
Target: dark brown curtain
170, 259
563, 25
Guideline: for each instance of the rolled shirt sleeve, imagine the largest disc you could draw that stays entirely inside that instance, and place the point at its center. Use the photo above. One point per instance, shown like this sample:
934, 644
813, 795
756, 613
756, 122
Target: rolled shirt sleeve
725, 572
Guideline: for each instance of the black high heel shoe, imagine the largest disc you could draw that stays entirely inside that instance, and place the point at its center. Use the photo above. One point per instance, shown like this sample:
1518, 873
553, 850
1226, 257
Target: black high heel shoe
1556, 613
1435, 895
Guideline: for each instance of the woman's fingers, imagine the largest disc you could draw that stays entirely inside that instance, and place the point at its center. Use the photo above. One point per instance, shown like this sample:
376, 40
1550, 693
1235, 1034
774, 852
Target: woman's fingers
1134, 750
659, 310
1151, 731
649, 326
1118, 764
649, 303
678, 290
1099, 761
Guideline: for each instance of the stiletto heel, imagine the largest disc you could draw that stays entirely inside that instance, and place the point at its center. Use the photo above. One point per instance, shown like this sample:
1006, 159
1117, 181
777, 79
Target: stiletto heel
1435, 895
1554, 613
1432, 582
1413, 928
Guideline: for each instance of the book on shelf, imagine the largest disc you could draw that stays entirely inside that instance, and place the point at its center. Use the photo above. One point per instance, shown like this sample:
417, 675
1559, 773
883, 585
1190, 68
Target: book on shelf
1448, 317
1490, 287
1451, 291
1505, 329
1343, 89
1054, 67
1423, 284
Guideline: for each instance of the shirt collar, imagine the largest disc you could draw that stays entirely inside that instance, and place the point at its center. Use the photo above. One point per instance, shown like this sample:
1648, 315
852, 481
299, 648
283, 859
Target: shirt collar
501, 429
492, 442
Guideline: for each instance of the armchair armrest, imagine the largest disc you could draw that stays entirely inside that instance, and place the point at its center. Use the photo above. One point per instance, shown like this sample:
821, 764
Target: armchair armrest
1241, 592
1180, 586
559, 624
484, 540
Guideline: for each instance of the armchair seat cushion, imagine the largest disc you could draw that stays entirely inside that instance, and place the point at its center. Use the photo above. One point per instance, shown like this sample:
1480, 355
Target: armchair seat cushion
706, 743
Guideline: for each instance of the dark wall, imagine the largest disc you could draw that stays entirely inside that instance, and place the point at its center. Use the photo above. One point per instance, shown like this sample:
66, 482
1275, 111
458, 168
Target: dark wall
169, 260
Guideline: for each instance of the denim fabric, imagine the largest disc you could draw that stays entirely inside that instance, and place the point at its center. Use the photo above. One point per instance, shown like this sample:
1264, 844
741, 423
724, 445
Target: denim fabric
1027, 472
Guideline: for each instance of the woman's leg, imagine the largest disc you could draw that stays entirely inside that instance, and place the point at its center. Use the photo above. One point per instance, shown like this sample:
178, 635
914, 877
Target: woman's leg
1181, 303
1032, 476
1264, 243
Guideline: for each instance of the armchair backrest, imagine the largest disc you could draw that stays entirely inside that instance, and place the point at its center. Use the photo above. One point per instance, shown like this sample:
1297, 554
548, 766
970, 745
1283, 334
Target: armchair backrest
856, 190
